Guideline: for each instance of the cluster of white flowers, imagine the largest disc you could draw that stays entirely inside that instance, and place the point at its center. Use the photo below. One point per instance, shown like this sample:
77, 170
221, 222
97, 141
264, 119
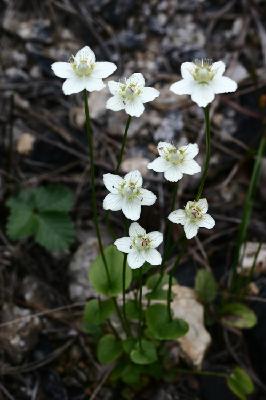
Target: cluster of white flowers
201, 80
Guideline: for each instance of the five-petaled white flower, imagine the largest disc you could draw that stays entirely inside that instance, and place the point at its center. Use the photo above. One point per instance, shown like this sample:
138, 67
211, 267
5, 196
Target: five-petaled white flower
140, 246
130, 95
127, 194
175, 162
83, 72
202, 80
193, 217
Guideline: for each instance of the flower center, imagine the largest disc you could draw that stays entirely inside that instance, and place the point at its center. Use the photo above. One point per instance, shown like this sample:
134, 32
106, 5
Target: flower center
141, 242
129, 190
82, 66
128, 91
194, 212
203, 72
173, 155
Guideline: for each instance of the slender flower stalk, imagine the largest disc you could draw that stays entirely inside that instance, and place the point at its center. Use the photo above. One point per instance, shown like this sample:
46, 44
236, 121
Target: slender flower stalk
243, 227
208, 152
92, 173
94, 202
169, 296
120, 157
140, 309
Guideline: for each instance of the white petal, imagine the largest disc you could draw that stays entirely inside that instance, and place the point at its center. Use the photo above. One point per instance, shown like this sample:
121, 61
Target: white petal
62, 69
159, 165
135, 229
134, 107
164, 145
115, 103
114, 87
94, 84
173, 174
190, 167
147, 197
112, 182
183, 87
219, 68
123, 244
136, 78
202, 94
149, 94
177, 217
74, 85
134, 176
135, 260
131, 209
156, 238
206, 222
153, 257
192, 149
187, 69
223, 85
203, 204
86, 53
191, 229
112, 202
103, 69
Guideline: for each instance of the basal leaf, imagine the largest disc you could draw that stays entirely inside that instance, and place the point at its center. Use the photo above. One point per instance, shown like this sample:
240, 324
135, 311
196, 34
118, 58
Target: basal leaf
161, 327
238, 315
108, 349
96, 311
240, 383
144, 353
54, 198
98, 276
205, 286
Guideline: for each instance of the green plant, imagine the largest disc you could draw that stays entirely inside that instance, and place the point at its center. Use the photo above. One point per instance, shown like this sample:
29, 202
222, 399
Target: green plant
43, 213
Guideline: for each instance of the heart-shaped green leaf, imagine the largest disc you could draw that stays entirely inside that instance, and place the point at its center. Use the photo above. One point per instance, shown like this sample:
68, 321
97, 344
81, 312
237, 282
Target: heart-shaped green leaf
109, 349
161, 327
144, 353
97, 311
98, 276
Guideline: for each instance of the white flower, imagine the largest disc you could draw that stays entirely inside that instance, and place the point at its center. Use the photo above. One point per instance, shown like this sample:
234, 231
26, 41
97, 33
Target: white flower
83, 72
175, 162
193, 217
140, 246
202, 80
127, 194
131, 95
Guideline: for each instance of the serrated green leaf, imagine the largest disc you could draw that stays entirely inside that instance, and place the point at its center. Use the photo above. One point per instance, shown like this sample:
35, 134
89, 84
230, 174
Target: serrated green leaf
108, 349
205, 286
21, 223
161, 327
238, 315
240, 383
143, 354
55, 231
96, 311
54, 198
98, 276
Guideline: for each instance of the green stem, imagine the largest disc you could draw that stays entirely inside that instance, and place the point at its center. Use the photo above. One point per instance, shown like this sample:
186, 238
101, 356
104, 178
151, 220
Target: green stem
93, 191
124, 287
169, 296
242, 231
208, 152
120, 157
169, 226
203, 373
93, 197
140, 308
